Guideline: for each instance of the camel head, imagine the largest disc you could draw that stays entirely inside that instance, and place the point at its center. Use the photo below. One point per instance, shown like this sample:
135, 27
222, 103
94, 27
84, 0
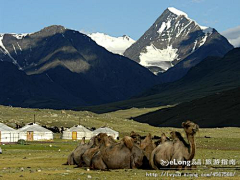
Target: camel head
147, 141
136, 137
190, 127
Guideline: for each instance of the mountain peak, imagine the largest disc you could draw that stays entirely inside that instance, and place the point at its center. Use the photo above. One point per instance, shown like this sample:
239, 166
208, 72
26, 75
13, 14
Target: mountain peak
53, 29
177, 12
172, 38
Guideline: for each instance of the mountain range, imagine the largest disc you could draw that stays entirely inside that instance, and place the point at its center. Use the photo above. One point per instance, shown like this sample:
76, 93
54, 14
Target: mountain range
62, 68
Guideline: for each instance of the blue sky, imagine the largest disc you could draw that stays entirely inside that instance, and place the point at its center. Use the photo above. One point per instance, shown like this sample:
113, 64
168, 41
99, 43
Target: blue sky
131, 17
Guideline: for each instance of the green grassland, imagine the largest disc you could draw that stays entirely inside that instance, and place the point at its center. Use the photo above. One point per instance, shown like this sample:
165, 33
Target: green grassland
43, 160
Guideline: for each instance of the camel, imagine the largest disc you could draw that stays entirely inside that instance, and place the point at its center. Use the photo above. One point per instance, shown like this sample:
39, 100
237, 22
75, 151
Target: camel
88, 154
75, 157
147, 146
177, 149
136, 137
123, 155
162, 139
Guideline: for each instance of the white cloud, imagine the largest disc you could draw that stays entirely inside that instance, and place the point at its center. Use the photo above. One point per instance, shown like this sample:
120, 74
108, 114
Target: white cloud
233, 36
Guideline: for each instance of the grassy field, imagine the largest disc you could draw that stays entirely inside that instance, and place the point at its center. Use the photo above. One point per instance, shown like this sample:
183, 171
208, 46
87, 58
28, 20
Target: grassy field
38, 160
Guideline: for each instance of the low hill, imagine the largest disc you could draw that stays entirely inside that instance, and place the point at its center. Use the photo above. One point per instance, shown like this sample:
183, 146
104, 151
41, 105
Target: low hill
218, 110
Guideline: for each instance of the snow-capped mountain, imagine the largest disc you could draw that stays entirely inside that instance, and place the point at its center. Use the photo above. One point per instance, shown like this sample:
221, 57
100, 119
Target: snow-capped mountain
172, 38
115, 45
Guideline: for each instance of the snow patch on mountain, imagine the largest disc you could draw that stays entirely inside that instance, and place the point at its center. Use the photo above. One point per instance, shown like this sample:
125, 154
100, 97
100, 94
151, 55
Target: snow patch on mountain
164, 26
20, 36
158, 57
113, 44
176, 27
6, 52
177, 12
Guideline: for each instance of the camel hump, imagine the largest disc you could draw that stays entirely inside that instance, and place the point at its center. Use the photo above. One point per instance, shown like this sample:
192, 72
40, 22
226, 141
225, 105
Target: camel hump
128, 141
163, 137
83, 141
149, 135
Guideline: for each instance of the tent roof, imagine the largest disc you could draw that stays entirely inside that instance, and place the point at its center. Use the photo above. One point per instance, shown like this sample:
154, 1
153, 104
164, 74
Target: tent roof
4, 127
78, 128
105, 130
33, 127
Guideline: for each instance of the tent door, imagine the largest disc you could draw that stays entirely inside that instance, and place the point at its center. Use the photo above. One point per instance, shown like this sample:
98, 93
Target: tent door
74, 135
30, 136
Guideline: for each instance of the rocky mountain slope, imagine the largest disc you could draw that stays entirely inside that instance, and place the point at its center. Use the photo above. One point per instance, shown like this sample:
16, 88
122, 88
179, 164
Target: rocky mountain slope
69, 61
175, 38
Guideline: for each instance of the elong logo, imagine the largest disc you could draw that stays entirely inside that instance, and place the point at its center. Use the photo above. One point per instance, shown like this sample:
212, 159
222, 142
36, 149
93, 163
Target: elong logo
175, 162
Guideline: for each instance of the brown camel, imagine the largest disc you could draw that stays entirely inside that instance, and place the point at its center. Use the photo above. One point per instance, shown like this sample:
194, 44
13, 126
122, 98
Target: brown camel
136, 137
147, 145
88, 154
161, 140
123, 155
75, 157
177, 149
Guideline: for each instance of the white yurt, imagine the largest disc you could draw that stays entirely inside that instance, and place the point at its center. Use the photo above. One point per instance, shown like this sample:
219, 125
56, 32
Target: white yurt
106, 130
34, 132
77, 133
7, 134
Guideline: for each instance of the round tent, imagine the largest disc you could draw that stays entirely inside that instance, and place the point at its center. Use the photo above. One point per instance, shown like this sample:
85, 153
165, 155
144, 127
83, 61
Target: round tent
76, 133
35, 132
7, 134
106, 130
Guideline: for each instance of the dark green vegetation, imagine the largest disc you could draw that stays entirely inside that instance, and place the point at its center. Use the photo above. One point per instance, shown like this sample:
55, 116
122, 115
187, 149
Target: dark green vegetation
212, 75
61, 68
218, 110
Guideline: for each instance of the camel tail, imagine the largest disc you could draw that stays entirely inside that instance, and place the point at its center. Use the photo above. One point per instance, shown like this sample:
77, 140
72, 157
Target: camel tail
128, 141
152, 160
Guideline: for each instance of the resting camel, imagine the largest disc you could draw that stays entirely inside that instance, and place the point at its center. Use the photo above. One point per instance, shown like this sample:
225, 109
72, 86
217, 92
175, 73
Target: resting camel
123, 155
75, 158
136, 137
162, 139
147, 146
88, 154
177, 149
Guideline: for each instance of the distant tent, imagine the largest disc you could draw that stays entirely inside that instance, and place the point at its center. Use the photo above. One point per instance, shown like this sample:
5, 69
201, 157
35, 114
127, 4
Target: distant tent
106, 130
7, 134
76, 133
35, 132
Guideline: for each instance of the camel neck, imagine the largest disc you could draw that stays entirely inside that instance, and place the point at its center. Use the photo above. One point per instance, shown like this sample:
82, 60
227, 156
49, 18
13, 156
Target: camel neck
192, 146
